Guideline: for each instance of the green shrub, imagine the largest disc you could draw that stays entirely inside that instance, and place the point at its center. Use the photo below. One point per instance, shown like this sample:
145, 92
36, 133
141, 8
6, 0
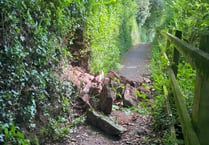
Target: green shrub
30, 50
12, 135
109, 29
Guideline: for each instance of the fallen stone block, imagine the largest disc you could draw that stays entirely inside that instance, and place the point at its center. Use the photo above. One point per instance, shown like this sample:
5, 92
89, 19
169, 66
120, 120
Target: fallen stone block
106, 100
104, 123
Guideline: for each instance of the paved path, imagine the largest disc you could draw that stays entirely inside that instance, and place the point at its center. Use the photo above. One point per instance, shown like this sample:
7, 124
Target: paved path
134, 64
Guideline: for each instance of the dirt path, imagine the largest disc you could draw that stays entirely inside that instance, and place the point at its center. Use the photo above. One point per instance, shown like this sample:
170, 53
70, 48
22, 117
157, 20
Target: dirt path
139, 133
134, 63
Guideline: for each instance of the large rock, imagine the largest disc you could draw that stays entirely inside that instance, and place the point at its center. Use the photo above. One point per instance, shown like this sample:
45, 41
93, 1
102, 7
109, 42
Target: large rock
104, 123
106, 100
129, 97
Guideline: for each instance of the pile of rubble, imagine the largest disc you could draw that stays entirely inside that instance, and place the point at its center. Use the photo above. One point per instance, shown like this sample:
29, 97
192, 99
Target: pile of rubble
99, 93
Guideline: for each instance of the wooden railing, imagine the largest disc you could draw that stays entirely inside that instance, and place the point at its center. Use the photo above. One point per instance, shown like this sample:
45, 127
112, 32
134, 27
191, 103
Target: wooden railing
195, 128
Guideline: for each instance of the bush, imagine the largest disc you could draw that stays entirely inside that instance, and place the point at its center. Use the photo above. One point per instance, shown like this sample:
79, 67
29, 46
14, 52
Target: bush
31, 47
109, 29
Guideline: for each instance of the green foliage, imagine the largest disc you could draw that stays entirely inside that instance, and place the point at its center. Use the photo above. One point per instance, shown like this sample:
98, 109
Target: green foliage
135, 31
191, 18
143, 11
157, 8
159, 64
30, 49
168, 140
12, 135
57, 131
79, 120
115, 107
141, 95
150, 13
186, 79
118, 90
109, 28
162, 119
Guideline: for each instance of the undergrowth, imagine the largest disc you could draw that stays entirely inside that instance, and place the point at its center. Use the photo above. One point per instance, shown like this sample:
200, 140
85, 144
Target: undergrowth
31, 49
185, 77
111, 29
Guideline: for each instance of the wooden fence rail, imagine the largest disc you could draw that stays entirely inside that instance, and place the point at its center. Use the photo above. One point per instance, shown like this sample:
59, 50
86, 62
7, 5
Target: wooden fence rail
195, 129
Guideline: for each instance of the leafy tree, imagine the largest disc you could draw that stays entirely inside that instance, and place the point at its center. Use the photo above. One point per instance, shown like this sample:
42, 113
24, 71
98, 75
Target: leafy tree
143, 11
109, 28
150, 12
191, 18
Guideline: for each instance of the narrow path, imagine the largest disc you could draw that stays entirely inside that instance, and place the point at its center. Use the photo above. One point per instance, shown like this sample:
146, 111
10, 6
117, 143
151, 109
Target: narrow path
134, 65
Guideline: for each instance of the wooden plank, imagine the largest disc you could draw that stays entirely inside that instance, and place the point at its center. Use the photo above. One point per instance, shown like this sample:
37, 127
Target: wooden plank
165, 90
200, 116
168, 109
168, 42
175, 60
188, 131
196, 57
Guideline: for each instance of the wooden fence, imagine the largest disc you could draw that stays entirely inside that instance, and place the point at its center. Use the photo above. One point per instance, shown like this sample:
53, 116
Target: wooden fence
196, 127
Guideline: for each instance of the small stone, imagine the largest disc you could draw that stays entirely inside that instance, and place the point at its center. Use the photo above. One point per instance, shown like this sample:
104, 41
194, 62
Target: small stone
139, 131
146, 80
73, 140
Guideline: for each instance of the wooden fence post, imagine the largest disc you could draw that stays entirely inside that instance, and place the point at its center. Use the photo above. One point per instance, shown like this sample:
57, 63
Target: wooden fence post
168, 41
175, 60
200, 110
